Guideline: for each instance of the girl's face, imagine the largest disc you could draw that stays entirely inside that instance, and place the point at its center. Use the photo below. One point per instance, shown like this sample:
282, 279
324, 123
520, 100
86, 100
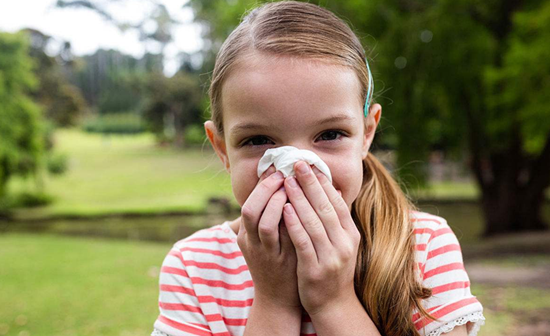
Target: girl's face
272, 101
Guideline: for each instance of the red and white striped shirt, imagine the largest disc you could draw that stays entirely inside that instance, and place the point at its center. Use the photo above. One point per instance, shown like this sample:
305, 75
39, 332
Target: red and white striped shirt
206, 288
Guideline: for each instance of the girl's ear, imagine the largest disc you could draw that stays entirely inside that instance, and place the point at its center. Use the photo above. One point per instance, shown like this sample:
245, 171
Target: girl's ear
218, 142
375, 112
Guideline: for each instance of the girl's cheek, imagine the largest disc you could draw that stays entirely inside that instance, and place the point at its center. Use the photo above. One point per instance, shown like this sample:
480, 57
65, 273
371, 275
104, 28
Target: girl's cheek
244, 179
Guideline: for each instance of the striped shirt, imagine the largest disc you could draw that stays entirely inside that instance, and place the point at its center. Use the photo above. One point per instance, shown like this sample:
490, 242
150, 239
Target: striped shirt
206, 288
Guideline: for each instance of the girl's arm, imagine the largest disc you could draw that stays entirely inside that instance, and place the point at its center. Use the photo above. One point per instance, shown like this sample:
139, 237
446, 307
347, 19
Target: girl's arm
267, 319
346, 319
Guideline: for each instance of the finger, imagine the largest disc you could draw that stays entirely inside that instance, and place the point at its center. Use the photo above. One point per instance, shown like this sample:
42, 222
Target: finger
256, 202
309, 219
284, 238
319, 201
305, 251
335, 197
266, 174
268, 227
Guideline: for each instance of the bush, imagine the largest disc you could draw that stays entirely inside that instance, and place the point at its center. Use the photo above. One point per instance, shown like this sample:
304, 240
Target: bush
57, 163
29, 200
115, 123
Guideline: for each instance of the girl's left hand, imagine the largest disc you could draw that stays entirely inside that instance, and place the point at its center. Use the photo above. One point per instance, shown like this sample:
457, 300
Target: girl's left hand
325, 237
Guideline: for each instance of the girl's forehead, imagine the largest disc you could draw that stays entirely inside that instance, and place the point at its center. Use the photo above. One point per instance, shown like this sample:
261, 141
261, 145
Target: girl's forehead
269, 87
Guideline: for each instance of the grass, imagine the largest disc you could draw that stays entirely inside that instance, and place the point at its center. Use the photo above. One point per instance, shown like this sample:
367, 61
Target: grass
120, 174
64, 286
510, 307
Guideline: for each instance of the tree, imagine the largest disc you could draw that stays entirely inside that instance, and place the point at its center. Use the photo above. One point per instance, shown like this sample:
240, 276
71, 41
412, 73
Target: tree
61, 101
21, 132
172, 105
466, 76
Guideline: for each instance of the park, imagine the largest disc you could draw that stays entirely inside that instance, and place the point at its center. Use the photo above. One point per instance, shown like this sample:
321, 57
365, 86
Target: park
105, 164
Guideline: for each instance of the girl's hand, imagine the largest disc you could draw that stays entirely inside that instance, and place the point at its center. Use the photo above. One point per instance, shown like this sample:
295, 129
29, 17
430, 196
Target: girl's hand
268, 251
325, 237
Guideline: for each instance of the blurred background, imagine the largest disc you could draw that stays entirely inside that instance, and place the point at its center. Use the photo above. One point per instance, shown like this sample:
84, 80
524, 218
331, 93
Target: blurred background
104, 162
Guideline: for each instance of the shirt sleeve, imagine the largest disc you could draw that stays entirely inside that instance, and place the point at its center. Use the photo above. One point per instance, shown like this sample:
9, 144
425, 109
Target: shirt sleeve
180, 311
452, 302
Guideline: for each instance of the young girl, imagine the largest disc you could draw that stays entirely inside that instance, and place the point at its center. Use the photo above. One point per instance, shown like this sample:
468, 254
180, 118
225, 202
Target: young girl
307, 256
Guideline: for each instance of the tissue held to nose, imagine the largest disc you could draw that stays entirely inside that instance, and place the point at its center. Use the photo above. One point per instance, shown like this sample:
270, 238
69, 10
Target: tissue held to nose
284, 158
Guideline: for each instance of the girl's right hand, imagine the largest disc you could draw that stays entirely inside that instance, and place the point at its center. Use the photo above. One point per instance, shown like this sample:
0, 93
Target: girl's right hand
266, 245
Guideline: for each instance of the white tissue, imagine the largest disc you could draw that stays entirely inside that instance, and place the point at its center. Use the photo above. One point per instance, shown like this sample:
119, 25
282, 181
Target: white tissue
283, 158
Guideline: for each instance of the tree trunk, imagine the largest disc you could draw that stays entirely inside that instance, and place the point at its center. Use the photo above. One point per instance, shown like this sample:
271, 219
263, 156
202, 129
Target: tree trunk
513, 190
508, 211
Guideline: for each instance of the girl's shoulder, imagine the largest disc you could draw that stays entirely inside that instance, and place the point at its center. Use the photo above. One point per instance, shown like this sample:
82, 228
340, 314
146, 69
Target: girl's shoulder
215, 235
422, 219
432, 232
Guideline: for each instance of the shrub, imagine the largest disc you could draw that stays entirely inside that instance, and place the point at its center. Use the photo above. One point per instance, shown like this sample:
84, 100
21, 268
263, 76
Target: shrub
115, 123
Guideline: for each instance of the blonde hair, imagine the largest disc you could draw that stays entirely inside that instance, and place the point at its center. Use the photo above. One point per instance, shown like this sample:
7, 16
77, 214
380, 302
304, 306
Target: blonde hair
385, 283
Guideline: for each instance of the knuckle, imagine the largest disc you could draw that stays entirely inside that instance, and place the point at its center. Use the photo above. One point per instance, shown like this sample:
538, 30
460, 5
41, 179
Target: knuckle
313, 224
347, 254
326, 208
247, 213
339, 202
302, 244
309, 180
266, 230
241, 240
332, 267
315, 277
265, 186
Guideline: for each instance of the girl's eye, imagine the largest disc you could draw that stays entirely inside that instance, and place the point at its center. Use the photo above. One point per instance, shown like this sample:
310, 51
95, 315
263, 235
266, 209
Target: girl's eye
261, 140
255, 141
331, 135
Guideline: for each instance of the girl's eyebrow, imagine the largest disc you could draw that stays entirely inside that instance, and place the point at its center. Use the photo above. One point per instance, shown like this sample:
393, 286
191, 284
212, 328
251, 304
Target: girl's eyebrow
255, 126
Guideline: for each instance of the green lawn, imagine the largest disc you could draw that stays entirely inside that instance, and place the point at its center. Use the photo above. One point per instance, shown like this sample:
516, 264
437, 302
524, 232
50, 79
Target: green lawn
128, 174
54, 285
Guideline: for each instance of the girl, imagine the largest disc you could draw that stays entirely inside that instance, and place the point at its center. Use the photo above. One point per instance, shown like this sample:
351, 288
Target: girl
306, 256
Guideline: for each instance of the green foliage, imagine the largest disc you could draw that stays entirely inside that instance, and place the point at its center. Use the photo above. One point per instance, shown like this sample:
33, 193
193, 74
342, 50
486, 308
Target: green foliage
61, 101
112, 81
195, 135
172, 105
21, 131
522, 83
57, 163
31, 199
443, 70
117, 123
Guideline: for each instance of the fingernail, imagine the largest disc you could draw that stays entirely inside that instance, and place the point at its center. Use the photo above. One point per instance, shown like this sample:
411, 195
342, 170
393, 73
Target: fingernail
303, 168
288, 209
282, 188
292, 182
278, 176
319, 176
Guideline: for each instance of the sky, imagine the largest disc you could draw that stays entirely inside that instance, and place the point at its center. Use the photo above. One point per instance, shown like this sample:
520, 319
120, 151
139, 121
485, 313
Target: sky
88, 31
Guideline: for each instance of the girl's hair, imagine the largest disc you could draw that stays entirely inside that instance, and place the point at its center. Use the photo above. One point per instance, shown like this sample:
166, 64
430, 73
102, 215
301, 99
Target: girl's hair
386, 281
